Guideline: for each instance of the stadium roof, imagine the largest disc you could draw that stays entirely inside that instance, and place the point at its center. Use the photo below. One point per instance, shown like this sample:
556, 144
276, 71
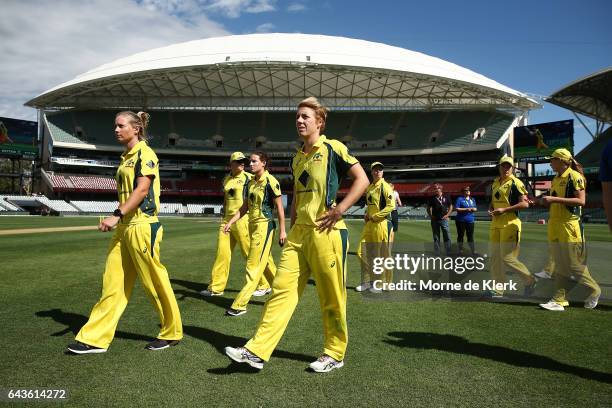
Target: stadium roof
275, 71
590, 96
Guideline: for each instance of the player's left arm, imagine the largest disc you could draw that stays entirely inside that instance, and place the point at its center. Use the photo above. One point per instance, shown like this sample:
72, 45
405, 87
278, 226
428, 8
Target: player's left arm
275, 190
278, 201
389, 205
579, 198
358, 187
143, 183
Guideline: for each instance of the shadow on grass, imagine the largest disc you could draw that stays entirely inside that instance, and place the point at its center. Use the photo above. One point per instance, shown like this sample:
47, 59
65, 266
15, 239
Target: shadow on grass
219, 341
74, 322
196, 287
220, 301
460, 345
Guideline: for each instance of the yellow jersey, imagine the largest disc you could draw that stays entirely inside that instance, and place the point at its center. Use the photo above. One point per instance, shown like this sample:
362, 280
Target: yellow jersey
565, 185
235, 190
261, 195
380, 201
316, 179
140, 161
505, 194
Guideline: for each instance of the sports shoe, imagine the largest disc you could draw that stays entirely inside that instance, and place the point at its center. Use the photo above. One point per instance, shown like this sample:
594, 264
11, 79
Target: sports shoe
591, 302
262, 292
374, 290
234, 312
363, 287
82, 348
160, 344
552, 305
325, 364
208, 293
242, 355
491, 294
543, 275
529, 289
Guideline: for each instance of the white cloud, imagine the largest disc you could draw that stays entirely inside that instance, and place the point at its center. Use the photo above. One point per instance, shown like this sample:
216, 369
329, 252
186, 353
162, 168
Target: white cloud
296, 7
234, 8
265, 28
42, 47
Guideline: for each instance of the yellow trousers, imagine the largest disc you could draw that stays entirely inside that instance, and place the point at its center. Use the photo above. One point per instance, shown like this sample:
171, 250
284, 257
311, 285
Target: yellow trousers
307, 251
375, 242
134, 250
259, 261
566, 241
504, 244
239, 234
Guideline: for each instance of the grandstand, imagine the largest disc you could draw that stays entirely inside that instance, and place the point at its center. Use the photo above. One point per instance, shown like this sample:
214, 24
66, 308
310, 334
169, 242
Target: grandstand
429, 120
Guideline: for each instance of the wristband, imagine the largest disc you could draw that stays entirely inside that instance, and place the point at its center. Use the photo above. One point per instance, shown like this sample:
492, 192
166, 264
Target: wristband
118, 213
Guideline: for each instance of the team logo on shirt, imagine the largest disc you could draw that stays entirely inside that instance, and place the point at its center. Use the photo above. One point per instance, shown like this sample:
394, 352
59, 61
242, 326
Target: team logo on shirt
129, 163
317, 157
151, 164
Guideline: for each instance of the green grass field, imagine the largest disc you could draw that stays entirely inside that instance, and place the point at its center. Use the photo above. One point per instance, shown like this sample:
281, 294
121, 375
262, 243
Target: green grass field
427, 353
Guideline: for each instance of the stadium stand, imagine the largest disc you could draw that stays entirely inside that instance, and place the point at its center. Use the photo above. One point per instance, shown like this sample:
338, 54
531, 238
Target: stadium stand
274, 131
93, 183
171, 208
7, 205
106, 207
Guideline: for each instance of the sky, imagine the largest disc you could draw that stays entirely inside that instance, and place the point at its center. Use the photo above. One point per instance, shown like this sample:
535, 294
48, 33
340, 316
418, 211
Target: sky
535, 46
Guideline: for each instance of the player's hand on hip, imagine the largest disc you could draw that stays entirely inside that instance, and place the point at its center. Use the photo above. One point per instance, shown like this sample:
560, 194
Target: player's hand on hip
328, 219
227, 228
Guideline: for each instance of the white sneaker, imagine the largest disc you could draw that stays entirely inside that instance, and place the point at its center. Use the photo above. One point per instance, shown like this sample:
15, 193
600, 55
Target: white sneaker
208, 293
242, 355
262, 292
591, 302
325, 364
551, 305
543, 275
363, 287
374, 290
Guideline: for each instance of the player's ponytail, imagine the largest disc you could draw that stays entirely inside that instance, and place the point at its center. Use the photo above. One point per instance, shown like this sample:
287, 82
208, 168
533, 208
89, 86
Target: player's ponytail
140, 119
576, 166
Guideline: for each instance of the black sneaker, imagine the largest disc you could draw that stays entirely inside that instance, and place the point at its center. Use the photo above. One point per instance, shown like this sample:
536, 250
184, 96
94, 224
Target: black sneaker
159, 344
82, 348
234, 312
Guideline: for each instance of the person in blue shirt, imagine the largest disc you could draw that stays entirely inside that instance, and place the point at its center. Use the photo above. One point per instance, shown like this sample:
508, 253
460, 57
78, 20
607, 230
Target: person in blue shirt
465, 206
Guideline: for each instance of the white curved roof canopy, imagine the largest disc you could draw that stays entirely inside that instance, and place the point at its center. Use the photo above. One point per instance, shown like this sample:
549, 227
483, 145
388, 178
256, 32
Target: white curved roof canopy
275, 71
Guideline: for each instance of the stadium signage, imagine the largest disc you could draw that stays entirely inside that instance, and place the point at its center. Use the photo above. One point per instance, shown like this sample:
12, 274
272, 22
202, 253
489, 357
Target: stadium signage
18, 138
538, 141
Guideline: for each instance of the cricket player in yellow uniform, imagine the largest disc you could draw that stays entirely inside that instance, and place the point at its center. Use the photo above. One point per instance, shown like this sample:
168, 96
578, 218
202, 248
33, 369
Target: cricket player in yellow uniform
377, 234
134, 248
508, 196
263, 195
317, 244
235, 187
565, 234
